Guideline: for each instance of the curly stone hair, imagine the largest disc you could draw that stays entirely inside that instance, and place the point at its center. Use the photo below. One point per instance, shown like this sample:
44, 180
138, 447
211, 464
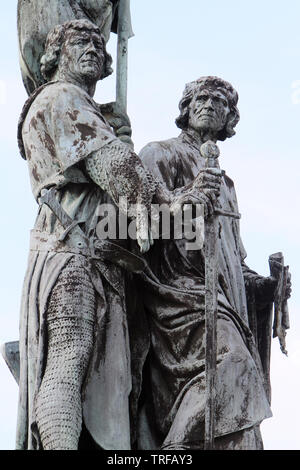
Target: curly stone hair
54, 43
214, 83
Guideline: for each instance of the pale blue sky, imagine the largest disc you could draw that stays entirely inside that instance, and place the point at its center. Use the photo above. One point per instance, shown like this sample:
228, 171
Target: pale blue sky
255, 46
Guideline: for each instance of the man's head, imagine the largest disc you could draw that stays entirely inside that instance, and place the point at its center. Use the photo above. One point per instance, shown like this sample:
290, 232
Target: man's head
76, 48
209, 106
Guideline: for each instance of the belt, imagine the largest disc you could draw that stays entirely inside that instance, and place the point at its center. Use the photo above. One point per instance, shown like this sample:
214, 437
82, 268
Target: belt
97, 249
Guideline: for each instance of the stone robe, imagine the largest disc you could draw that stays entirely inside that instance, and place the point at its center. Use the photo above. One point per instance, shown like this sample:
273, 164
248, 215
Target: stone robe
173, 398
60, 126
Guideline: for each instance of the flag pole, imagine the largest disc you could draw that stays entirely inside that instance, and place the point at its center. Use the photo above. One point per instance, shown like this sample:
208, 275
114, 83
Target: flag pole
124, 33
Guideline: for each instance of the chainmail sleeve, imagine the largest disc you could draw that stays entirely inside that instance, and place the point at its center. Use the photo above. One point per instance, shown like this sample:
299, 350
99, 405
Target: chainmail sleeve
120, 172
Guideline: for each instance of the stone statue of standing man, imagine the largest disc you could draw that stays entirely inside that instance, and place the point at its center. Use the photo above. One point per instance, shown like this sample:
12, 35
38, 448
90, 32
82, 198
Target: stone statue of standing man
76, 375
173, 403
74, 346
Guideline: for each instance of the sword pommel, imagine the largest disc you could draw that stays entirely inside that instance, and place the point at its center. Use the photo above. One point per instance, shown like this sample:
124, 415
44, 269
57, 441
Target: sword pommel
210, 151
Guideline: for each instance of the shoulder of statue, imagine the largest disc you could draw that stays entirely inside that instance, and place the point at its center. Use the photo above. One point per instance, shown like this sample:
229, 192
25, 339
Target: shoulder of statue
59, 94
68, 95
24, 113
161, 146
162, 158
61, 90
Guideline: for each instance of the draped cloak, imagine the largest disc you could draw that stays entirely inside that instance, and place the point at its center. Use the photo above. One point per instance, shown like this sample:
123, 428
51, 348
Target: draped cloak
60, 126
173, 400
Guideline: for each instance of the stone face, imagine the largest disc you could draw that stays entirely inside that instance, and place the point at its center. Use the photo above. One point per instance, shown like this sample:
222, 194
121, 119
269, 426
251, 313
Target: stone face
37, 18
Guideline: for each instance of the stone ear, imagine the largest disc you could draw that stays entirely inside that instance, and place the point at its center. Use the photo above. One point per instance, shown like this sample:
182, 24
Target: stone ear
232, 120
183, 119
230, 125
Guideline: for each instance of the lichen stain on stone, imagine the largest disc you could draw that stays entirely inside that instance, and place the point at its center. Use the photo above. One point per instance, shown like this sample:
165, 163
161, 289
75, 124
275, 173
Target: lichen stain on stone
49, 144
73, 114
28, 153
33, 123
86, 131
35, 173
40, 115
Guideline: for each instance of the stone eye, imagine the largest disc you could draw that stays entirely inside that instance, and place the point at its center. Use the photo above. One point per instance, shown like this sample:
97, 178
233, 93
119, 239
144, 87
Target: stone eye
81, 42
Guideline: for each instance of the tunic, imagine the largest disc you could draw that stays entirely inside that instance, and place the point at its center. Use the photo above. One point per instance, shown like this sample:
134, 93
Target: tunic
174, 299
61, 126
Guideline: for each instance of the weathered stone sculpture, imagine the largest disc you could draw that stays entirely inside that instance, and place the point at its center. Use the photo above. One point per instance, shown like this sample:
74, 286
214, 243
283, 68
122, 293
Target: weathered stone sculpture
172, 409
74, 347
97, 369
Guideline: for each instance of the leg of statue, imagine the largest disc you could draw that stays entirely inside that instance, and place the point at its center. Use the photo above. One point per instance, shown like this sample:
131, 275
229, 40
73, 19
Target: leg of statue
70, 322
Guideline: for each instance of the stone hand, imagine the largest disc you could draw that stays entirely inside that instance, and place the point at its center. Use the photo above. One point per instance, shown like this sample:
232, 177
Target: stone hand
266, 288
209, 181
206, 187
192, 197
118, 120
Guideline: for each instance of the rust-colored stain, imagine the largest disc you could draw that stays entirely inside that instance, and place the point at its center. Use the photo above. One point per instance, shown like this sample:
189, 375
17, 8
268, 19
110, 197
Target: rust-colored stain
40, 115
49, 144
33, 123
28, 153
35, 173
73, 114
86, 131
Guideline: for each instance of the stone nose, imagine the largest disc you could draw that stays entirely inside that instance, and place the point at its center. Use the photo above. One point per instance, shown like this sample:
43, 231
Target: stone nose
208, 103
91, 47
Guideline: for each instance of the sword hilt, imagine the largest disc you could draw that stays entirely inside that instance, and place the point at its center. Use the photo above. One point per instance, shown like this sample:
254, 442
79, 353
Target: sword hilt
48, 197
210, 151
